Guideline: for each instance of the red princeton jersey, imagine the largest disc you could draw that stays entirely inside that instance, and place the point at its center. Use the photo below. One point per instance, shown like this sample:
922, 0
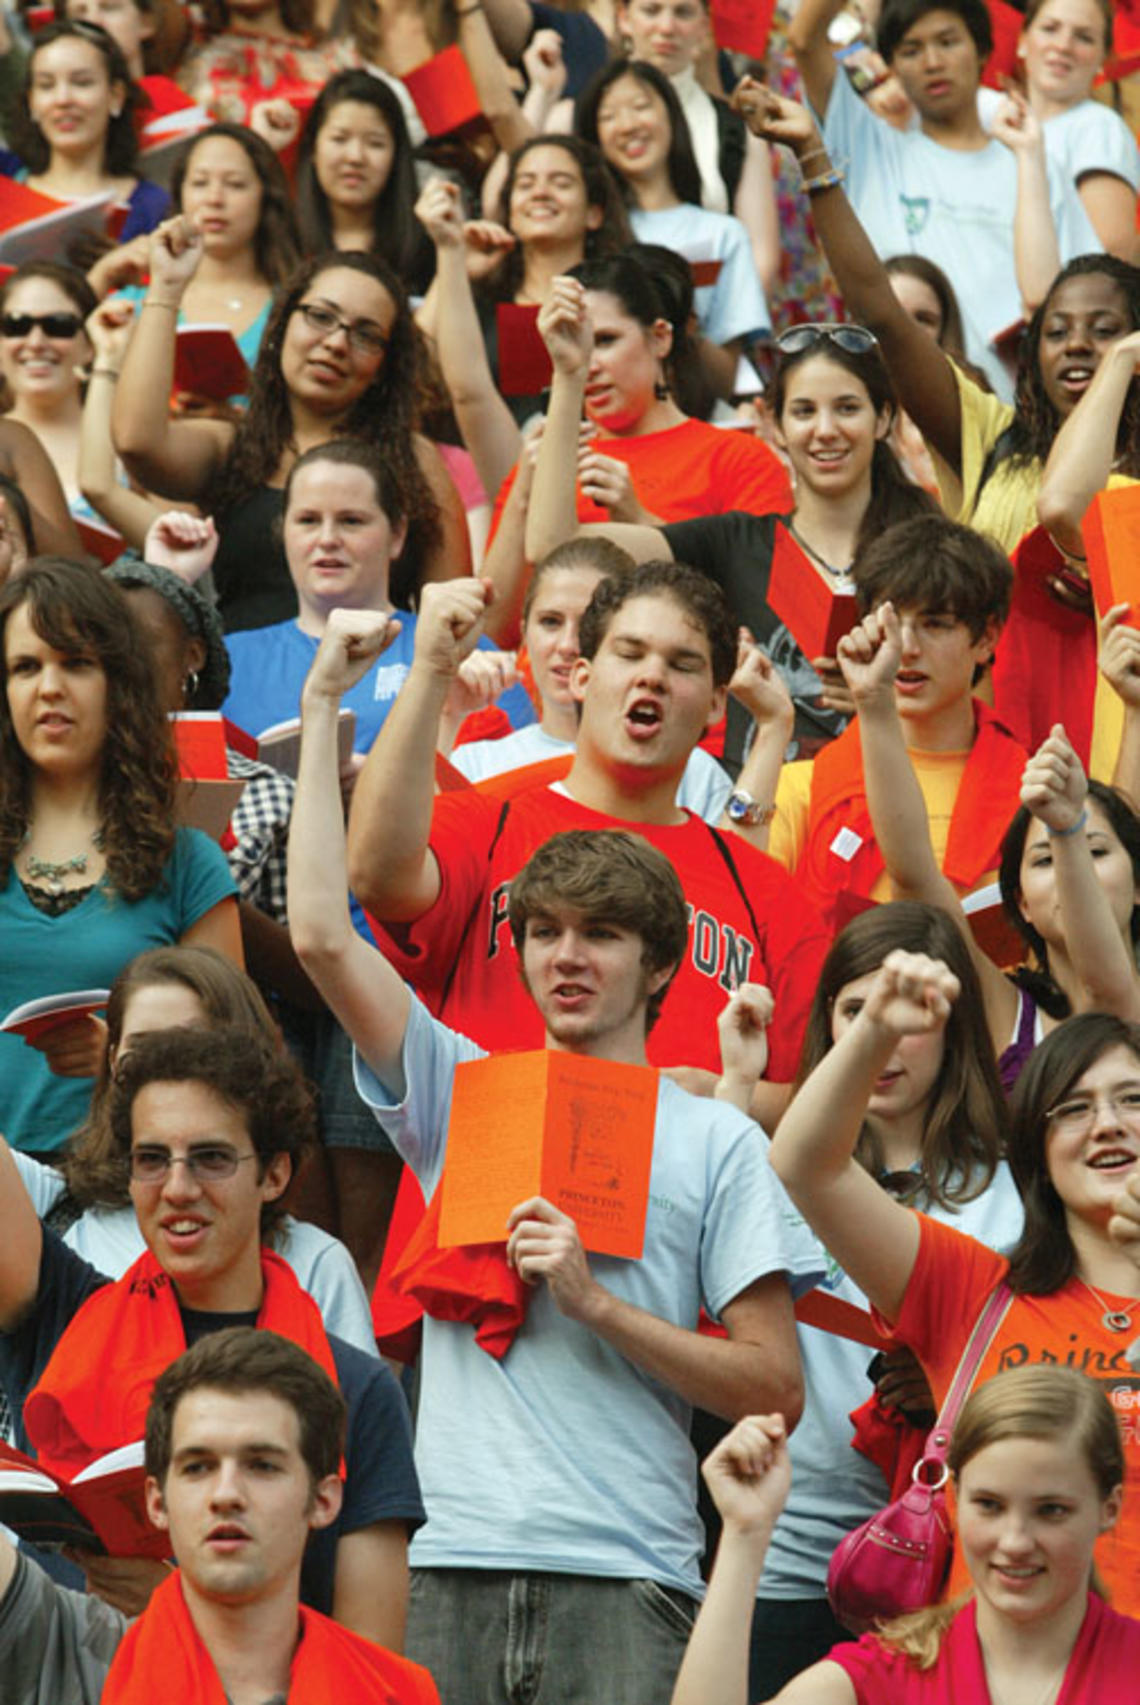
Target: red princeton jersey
460, 956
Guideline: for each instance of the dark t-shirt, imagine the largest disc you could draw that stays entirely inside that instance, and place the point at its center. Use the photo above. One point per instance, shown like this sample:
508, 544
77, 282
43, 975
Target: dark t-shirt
380, 1475
584, 46
735, 550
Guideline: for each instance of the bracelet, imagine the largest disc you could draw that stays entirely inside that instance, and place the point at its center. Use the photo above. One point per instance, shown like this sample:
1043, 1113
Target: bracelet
1063, 834
157, 302
812, 154
104, 373
832, 179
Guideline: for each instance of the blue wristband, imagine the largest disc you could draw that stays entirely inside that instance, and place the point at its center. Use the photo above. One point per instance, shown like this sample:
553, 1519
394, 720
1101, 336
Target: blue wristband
1063, 834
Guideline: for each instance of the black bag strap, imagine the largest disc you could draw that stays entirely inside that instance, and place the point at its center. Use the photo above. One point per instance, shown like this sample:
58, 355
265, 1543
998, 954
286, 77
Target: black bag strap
475, 909
722, 848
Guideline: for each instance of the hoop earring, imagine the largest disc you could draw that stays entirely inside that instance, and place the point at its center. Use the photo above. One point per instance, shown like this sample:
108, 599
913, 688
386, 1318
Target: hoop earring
190, 686
661, 391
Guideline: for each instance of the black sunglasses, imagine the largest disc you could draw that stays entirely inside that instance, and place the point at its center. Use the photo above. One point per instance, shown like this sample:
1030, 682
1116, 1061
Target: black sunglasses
856, 340
52, 325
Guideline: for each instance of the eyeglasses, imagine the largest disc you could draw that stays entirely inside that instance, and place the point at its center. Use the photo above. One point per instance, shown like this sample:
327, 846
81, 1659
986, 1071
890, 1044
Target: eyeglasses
1078, 1113
52, 325
856, 340
207, 1165
362, 335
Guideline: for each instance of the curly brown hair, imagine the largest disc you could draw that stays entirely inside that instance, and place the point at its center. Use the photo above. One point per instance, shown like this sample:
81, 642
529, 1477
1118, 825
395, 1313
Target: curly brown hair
277, 240
384, 414
74, 609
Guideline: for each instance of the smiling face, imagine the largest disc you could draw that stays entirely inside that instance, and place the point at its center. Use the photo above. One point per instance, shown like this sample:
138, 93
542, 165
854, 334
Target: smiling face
338, 541
1063, 49
667, 33
205, 1233
57, 700
904, 1087
548, 201
39, 366
223, 192
1084, 317
936, 62
551, 633
648, 694
322, 367
1038, 899
829, 427
70, 96
238, 1499
633, 129
1029, 1513
354, 155
1092, 1142
589, 981
626, 364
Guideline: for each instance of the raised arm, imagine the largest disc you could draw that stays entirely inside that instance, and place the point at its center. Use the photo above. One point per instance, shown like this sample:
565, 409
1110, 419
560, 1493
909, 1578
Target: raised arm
356, 981
21, 1243
491, 77
175, 457
758, 685
486, 423
1055, 789
1036, 254
109, 330
869, 657
809, 42
1119, 662
1084, 450
923, 375
872, 1236
391, 868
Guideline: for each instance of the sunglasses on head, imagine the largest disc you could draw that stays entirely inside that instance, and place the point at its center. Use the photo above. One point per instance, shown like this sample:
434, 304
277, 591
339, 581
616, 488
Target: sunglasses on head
52, 325
856, 340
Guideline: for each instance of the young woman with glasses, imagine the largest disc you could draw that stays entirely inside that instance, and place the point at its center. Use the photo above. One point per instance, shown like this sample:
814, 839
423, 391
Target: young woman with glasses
338, 358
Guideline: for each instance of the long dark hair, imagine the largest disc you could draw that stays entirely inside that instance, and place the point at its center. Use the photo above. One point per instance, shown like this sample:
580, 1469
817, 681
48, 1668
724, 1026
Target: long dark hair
964, 1134
384, 414
894, 497
1036, 421
120, 151
680, 161
396, 232
611, 236
1044, 1258
277, 240
1037, 980
645, 297
73, 608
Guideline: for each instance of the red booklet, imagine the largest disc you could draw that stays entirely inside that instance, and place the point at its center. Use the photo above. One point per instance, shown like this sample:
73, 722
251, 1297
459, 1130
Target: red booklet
102, 1510
99, 538
743, 26
444, 94
208, 363
38, 227
31, 1019
816, 608
524, 360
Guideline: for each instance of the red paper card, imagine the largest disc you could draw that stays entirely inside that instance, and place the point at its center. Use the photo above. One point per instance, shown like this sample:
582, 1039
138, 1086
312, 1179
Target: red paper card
444, 94
576, 1130
743, 26
524, 360
99, 538
814, 608
1007, 24
208, 363
1111, 531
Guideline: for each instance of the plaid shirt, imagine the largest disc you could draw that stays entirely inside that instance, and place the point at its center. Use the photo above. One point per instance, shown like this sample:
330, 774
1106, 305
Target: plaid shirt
260, 826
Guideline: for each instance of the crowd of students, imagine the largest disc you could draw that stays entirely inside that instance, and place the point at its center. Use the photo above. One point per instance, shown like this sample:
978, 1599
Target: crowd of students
523, 516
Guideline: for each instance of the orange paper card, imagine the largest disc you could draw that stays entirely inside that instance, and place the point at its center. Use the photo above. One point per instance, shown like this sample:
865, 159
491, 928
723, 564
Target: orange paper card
443, 93
816, 609
576, 1130
1111, 531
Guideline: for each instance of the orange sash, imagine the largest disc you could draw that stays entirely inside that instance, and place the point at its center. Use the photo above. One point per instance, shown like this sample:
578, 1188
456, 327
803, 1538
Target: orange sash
161, 1656
93, 1394
987, 798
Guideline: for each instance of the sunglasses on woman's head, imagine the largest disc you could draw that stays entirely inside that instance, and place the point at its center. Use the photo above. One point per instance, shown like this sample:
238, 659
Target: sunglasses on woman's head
52, 325
856, 340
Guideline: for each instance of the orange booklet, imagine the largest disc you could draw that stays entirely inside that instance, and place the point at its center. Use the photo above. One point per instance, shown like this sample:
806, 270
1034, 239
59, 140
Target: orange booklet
1111, 531
31, 1019
444, 94
576, 1130
208, 363
102, 1510
815, 608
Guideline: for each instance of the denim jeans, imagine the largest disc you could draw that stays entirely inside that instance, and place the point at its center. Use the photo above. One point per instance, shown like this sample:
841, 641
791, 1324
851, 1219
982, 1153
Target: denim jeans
491, 1637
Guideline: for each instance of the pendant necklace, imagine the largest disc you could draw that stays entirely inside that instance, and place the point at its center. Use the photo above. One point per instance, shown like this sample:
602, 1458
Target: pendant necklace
52, 874
840, 574
1113, 1319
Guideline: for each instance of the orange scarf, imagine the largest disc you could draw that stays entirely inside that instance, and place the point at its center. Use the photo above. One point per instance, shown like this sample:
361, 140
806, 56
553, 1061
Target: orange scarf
987, 798
161, 1656
94, 1392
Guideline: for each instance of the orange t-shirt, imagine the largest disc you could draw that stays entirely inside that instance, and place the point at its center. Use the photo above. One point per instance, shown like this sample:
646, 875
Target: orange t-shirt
952, 1277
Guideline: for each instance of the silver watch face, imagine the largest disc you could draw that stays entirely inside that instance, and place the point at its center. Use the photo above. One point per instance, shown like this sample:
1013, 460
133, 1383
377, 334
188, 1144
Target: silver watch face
739, 806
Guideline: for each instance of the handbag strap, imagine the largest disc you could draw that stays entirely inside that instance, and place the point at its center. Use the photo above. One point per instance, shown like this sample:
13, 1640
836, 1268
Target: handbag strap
979, 1341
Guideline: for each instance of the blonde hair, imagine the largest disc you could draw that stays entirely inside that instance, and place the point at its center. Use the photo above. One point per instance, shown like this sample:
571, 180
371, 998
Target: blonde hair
1023, 1403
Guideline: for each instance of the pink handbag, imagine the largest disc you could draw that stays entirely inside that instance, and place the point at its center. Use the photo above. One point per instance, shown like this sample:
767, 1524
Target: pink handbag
899, 1559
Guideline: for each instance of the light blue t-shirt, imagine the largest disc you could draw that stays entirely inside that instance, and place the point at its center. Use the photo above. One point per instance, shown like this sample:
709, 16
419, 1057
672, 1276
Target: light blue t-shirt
86, 948
564, 1456
835, 1488
734, 305
704, 790
1088, 138
269, 666
913, 196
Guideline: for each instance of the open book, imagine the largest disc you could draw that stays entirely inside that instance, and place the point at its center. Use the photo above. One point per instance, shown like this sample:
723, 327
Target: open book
32, 1018
281, 744
103, 1509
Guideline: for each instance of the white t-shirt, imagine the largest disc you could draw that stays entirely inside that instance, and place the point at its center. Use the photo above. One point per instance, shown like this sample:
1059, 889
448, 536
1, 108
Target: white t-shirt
734, 305
704, 788
913, 196
1089, 137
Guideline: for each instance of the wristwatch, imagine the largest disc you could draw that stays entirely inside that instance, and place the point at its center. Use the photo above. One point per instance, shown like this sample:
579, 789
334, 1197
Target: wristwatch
742, 808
